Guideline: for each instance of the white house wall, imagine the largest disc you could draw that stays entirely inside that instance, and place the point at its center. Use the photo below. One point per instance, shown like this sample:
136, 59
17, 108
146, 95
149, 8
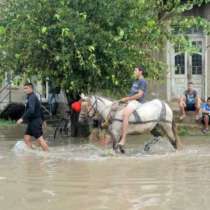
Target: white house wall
208, 66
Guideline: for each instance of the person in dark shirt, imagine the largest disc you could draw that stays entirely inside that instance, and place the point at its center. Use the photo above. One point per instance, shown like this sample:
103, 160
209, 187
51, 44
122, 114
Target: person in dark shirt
205, 108
190, 101
33, 116
134, 100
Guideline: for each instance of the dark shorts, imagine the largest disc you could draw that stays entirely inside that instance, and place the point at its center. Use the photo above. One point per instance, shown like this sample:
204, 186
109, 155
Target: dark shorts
190, 107
203, 118
34, 128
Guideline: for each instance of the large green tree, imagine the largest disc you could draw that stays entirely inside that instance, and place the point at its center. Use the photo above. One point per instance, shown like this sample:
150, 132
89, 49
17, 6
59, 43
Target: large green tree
86, 45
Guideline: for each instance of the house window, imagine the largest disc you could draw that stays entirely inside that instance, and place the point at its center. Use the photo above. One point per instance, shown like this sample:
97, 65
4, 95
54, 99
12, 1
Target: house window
177, 48
198, 45
196, 64
179, 64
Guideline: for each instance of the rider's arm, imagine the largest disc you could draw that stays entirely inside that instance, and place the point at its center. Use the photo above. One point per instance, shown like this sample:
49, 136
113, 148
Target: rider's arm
134, 97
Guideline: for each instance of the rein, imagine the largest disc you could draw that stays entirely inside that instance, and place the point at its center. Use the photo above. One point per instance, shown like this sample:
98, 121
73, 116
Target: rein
93, 107
109, 119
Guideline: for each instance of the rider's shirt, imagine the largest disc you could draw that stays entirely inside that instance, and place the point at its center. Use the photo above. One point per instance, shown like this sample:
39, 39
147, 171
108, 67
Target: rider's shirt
138, 85
190, 97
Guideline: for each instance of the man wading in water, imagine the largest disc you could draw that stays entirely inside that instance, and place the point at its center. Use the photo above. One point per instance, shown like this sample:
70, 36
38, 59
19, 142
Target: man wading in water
134, 100
34, 118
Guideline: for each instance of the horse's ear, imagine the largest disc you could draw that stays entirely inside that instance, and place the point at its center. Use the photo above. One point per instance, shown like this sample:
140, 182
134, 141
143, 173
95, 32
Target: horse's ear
83, 97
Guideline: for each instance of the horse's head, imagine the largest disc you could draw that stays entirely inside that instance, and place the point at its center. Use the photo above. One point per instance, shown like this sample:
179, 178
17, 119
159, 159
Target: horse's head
94, 105
88, 108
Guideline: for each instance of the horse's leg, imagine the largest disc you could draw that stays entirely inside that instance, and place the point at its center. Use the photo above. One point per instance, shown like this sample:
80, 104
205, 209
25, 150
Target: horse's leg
156, 131
175, 132
167, 129
113, 138
115, 131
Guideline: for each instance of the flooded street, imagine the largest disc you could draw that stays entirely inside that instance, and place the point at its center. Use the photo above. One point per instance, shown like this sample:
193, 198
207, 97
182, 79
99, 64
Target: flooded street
85, 177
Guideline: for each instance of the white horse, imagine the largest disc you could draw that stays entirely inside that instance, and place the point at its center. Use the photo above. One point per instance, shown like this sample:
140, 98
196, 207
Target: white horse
148, 117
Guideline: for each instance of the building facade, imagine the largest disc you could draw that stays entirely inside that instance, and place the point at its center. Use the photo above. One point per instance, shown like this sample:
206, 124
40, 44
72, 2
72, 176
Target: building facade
185, 67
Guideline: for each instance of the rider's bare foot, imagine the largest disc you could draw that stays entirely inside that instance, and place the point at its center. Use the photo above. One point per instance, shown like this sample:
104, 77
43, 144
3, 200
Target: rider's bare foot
120, 143
182, 117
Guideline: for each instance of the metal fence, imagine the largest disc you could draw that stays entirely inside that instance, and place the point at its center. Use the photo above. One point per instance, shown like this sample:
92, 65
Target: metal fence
5, 95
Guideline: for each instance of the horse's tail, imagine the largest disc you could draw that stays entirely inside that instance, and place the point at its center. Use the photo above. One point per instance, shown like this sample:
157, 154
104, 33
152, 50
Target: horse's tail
178, 143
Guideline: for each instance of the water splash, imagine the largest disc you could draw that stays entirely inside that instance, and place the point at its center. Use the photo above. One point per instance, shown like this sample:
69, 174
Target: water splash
91, 152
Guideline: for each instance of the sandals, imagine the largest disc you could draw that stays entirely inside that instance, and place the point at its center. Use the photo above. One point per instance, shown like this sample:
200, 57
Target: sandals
182, 117
205, 130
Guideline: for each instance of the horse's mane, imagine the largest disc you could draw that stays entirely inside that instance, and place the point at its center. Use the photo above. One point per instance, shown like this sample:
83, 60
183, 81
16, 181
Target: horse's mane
104, 97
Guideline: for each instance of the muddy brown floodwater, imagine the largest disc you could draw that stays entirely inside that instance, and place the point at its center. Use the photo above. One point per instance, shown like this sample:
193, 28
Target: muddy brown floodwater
82, 176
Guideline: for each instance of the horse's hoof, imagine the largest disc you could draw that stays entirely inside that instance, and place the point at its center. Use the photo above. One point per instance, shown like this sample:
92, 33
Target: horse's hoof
121, 148
146, 148
115, 147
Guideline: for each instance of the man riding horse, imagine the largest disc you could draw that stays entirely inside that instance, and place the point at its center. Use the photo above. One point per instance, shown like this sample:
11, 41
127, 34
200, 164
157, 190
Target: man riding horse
137, 117
134, 99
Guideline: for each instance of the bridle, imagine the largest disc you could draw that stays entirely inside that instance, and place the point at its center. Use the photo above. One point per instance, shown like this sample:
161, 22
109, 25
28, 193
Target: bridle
93, 107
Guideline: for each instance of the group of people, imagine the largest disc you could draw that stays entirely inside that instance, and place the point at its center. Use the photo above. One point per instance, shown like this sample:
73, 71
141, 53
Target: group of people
34, 118
190, 101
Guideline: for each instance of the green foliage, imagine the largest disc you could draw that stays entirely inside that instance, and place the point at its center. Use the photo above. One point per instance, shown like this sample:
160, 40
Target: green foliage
1, 79
6, 123
183, 131
85, 45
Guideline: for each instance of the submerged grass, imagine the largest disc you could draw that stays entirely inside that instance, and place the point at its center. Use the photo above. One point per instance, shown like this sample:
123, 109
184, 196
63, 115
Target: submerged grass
187, 131
183, 131
6, 122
